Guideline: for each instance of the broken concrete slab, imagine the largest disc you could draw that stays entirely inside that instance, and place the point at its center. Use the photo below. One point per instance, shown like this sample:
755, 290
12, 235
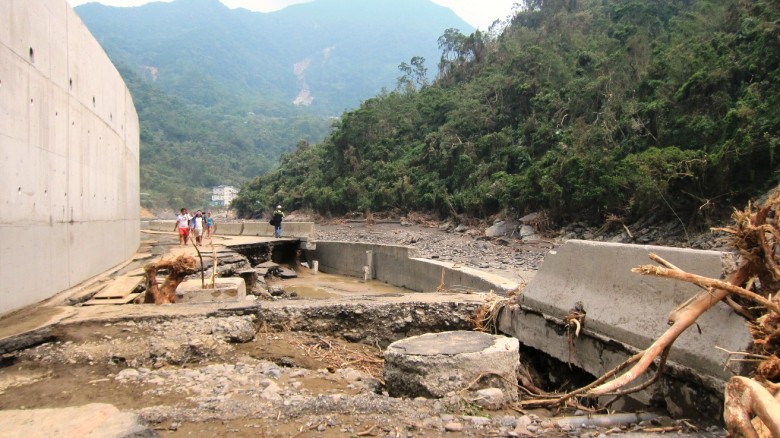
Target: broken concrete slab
627, 307
227, 289
434, 364
92, 420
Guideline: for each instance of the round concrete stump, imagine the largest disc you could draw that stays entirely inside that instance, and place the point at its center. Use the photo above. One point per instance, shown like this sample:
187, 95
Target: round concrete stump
434, 364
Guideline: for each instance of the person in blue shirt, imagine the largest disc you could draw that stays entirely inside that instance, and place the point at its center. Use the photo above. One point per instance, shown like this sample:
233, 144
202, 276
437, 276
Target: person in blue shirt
211, 226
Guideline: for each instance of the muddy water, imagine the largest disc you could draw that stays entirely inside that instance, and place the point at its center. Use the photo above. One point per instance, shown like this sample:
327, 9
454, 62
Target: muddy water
323, 285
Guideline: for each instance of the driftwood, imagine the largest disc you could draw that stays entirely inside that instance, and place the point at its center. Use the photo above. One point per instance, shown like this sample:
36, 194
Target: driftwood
178, 269
746, 398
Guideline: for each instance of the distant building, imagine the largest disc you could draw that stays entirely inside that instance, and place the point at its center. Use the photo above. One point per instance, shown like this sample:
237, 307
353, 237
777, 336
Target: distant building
223, 195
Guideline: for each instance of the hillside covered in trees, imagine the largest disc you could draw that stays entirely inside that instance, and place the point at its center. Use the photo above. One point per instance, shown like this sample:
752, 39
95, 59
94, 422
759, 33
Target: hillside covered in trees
221, 93
582, 108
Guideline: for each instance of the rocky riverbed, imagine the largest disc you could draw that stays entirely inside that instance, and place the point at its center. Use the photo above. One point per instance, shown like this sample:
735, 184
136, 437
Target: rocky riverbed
298, 368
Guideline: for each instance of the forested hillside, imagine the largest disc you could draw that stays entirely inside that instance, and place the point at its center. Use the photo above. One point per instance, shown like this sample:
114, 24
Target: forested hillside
582, 108
327, 55
186, 149
221, 93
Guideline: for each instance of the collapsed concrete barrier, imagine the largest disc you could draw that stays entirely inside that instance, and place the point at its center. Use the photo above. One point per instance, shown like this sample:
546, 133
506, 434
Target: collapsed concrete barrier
433, 364
400, 266
625, 312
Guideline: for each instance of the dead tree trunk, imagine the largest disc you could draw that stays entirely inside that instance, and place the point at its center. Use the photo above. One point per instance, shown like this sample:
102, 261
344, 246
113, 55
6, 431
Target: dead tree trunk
178, 269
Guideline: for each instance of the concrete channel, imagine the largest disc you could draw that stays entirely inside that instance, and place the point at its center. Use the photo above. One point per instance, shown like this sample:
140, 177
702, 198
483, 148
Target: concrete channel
624, 313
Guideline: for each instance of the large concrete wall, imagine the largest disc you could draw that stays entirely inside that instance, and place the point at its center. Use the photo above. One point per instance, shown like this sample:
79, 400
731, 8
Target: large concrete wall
291, 230
400, 266
69, 139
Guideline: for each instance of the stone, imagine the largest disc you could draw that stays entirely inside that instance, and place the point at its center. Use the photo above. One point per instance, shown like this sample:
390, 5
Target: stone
433, 364
453, 427
497, 230
490, 398
240, 330
127, 373
286, 273
447, 226
526, 231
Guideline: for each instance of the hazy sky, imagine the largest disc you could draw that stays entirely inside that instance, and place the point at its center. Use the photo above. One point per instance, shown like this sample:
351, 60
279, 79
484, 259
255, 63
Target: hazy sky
480, 14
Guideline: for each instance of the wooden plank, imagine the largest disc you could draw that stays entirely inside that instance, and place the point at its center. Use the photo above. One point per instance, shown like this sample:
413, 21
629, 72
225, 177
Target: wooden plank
120, 287
112, 301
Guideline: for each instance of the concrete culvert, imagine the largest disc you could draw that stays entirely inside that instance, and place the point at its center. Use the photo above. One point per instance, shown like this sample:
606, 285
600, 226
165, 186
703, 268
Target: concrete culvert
434, 364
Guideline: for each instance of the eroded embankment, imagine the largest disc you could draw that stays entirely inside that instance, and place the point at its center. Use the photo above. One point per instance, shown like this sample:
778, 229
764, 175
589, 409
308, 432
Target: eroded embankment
281, 369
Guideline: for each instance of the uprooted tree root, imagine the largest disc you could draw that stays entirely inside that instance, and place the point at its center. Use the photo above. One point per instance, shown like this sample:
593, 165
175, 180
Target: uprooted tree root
752, 405
178, 269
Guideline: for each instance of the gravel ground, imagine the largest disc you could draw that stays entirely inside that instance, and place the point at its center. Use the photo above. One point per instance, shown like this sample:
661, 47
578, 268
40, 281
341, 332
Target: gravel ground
296, 372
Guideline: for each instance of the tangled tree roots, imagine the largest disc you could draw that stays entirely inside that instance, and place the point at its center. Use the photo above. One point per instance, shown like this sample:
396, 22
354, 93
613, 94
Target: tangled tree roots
178, 268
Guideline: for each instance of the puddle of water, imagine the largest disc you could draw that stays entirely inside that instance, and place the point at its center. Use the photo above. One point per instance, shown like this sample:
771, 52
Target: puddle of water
309, 292
323, 285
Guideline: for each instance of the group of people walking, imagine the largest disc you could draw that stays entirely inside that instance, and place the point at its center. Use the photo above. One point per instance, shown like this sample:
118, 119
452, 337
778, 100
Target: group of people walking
195, 224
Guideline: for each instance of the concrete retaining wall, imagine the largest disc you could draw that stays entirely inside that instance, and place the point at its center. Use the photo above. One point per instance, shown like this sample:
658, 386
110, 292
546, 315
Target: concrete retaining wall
69, 140
622, 306
399, 266
300, 230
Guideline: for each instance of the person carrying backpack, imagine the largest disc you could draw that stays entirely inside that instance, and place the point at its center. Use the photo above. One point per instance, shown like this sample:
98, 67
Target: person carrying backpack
277, 221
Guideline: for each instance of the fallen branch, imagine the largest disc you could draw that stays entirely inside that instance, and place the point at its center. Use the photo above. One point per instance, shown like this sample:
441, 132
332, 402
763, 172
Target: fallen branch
683, 319
707, 283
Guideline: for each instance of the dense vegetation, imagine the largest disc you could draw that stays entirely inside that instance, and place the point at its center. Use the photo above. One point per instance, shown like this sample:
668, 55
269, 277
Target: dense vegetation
186, 148
214, 87
582, 108
200, 50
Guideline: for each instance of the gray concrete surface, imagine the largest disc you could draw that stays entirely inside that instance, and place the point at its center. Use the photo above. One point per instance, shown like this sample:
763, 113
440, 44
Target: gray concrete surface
96, 420
631, 308
228, 289
626, 312
298, 230
69, 140
434, 364
399, 266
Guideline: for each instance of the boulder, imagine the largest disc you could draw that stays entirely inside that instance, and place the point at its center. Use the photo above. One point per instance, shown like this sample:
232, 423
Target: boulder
434, 364
498, 229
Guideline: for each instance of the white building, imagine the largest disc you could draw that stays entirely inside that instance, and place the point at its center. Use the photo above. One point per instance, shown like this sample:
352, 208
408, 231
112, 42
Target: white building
223, 195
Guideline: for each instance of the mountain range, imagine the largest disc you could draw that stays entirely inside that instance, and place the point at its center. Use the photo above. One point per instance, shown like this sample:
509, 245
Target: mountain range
325, 56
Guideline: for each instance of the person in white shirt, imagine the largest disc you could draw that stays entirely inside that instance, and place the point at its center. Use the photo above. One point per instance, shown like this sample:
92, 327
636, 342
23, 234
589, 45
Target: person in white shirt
183, 226
197, 227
